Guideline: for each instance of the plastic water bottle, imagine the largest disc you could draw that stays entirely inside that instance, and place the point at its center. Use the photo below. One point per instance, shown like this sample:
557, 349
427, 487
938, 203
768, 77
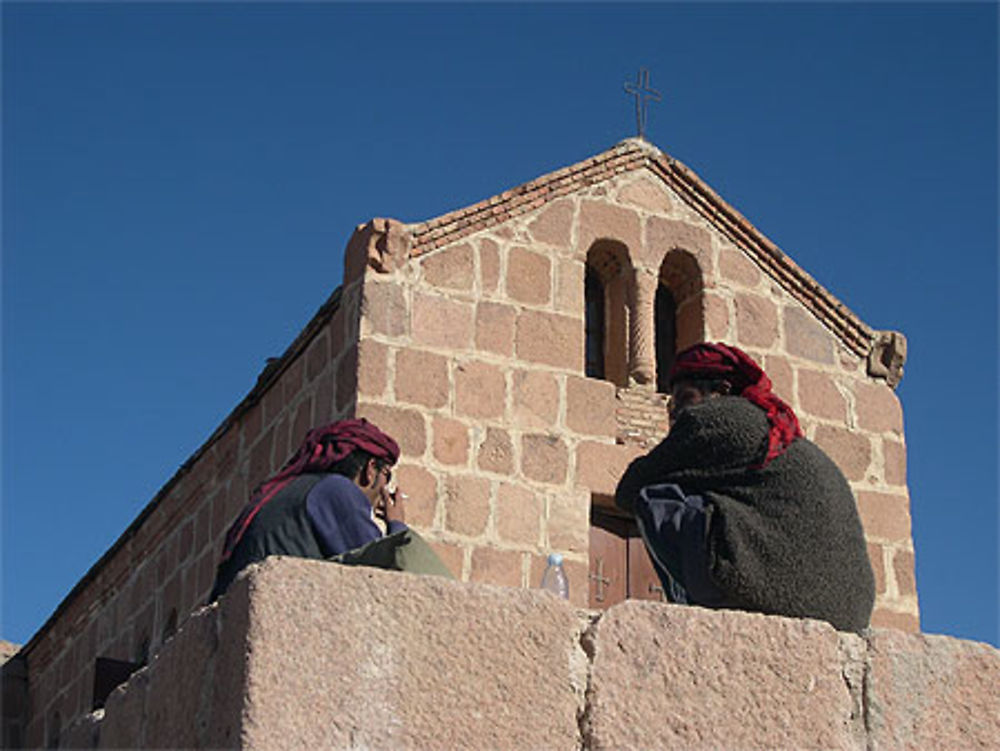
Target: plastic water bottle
554, 579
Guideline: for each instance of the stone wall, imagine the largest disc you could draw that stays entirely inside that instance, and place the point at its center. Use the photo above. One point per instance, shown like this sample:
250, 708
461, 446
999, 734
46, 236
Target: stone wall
306, 654
472, 354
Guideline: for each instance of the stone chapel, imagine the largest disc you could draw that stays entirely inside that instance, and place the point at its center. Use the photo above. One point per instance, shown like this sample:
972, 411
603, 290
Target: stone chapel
516, 349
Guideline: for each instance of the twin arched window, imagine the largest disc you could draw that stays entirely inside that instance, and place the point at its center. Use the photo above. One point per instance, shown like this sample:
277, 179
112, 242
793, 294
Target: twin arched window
631, 331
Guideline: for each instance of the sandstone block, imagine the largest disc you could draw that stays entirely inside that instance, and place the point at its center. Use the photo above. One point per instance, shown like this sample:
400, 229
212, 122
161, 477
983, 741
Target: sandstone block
431, 663
519, 513
495, 328
441, 322
716, 317
489, 265
544, 458
550, 339
876, 556
383, 309
373, 369
467, 504
904, 567
406, 426
422, 378
452, 555
568, 523
664, 235
884, 516
421, 487
667, 676
553, 224
932, 692
450, 268
779, 370
122, 726
736, 267
535, 399
451, 441
495, 566
895, 619
480, 389
805, 337
851, 451
529, 276
878, 408
496, 453
180, 686
894, 454
649, 194
599, 466
605, 221
569, 286
590, 406
756, 321
820, 397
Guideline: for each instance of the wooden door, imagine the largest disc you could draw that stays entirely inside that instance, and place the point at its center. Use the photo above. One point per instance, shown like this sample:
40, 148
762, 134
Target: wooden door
620, 568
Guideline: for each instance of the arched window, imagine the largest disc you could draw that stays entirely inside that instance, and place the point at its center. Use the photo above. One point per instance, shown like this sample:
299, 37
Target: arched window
594, 324
666, 336
679, 316
608, 272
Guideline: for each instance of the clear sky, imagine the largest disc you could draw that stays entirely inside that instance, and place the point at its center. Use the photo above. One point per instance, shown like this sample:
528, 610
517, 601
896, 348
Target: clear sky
179, 182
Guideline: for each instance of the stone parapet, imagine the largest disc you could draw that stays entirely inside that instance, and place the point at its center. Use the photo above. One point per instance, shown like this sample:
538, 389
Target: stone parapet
307, 654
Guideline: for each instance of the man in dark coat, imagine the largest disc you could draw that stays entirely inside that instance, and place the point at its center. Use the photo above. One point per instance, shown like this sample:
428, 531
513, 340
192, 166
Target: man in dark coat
321, 504
738, 509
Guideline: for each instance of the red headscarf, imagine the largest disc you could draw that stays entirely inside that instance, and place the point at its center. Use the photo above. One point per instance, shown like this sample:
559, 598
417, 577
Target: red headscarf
721, 361
322, 448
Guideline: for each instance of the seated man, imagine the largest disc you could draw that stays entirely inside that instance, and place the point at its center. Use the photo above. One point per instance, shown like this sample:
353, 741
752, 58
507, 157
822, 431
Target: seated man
321, 504
738, 509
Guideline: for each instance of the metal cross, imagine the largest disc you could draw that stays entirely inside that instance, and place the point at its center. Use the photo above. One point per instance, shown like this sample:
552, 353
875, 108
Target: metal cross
643, 95
602, 582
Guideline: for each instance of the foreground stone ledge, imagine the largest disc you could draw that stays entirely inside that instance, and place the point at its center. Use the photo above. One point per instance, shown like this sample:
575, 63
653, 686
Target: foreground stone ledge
308, 654
675, 677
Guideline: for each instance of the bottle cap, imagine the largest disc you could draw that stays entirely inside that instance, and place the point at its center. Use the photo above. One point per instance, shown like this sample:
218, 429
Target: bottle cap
555, 559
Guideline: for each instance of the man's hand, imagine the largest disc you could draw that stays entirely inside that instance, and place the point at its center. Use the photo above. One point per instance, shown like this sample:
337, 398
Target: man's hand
392, 506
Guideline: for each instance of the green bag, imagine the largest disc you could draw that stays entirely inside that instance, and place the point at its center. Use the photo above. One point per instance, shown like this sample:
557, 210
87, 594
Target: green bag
401, 551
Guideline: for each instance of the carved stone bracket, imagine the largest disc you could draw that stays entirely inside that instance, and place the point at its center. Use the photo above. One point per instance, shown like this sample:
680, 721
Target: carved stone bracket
887, 357
382, 244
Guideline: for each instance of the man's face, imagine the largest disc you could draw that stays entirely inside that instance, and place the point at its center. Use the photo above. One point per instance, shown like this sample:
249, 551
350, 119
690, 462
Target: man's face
374, 481
682, 395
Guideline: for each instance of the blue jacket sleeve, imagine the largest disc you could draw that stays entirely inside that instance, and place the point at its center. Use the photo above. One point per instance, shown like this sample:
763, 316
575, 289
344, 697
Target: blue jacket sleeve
341, 516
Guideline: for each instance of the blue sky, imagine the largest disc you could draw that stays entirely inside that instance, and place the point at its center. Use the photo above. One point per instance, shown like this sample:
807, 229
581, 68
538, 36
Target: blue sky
179, 182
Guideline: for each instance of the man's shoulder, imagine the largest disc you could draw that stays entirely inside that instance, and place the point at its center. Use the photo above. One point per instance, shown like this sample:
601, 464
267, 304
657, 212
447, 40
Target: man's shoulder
728, 412
334, 483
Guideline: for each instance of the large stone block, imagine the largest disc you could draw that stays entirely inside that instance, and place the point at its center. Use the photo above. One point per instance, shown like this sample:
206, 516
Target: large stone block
360, 658
932, 692
675, 677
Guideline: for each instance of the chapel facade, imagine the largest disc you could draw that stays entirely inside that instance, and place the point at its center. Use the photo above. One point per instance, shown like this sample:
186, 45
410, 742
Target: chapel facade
516, 349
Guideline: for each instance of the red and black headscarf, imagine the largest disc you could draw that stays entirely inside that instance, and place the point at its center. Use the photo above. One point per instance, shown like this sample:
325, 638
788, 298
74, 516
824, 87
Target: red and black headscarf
721, 361
322, 449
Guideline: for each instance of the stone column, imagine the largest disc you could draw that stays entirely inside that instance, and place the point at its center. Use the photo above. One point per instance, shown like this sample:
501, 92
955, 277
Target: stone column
641, 329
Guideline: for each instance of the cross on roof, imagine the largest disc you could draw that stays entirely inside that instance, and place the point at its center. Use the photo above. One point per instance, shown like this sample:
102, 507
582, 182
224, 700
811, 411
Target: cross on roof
643, 95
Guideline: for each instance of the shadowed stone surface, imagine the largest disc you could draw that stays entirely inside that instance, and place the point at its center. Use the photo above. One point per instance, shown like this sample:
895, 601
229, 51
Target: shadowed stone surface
346, 658
687, 678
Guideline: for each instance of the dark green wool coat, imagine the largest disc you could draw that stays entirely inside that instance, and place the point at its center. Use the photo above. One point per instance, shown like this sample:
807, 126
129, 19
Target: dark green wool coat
784, 539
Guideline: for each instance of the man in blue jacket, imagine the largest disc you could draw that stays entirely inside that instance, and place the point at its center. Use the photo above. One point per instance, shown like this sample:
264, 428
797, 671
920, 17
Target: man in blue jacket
321, 504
